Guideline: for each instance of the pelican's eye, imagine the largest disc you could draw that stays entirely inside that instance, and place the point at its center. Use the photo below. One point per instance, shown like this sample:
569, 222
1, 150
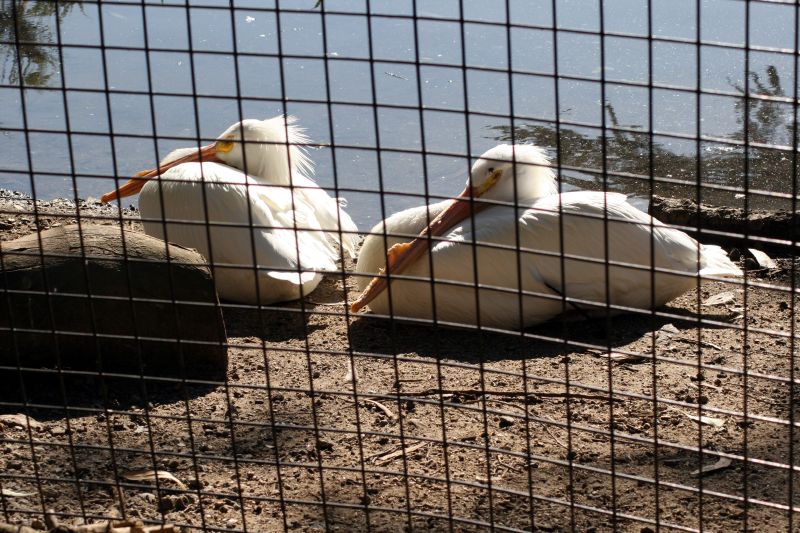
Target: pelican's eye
491, 169
494, 175
224, 146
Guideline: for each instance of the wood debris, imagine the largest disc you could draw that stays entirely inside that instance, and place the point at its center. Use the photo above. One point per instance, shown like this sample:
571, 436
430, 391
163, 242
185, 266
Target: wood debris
387, 458
619, 357
704, 344
721, 464
147, 475
10, 493
532, 397
707, 420
116, 526
388, 412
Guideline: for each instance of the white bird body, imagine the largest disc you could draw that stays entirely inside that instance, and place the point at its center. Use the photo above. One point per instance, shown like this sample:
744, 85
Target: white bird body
519, 249
267, 234
286, 260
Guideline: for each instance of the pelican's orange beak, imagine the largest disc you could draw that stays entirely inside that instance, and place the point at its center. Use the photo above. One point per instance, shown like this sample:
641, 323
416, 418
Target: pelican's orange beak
135, 184
401, 255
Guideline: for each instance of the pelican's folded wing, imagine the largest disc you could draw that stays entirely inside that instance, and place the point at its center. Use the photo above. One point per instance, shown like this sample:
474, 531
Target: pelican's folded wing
329, 213
227, 216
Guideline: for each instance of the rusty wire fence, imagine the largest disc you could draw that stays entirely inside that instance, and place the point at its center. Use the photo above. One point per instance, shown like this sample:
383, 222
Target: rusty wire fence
567, 366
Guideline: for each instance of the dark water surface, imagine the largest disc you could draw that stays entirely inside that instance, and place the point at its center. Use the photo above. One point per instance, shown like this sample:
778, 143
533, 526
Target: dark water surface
147, 83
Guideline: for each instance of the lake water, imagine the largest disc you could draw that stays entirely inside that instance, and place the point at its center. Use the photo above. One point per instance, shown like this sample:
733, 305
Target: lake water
169, 73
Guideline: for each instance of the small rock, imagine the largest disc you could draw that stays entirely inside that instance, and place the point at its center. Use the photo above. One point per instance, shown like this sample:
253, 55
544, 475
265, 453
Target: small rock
669, 328
175, 502
506, 422
324, 446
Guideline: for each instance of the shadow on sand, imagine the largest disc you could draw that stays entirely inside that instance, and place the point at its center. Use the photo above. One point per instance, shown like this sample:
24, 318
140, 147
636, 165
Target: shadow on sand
374, 334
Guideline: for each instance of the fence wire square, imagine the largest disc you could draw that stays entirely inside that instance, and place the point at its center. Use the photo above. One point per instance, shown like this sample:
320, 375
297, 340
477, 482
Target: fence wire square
378, 266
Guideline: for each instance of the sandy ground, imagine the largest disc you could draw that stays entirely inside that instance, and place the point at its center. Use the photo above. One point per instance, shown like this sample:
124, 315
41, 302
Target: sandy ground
446, 430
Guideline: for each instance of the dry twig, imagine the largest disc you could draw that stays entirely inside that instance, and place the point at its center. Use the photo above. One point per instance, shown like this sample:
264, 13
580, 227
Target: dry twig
531, 396
397, 453
388, 412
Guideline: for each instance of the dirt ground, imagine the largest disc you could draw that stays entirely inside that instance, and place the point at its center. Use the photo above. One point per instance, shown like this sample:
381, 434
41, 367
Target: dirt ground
586, 426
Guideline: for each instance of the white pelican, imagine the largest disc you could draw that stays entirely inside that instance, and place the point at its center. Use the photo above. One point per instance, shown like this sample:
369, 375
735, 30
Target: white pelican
519, 249
248, 191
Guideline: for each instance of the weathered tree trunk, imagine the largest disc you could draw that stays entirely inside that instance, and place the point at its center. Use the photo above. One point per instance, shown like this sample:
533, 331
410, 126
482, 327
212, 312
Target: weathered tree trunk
103, 527
104, 299
770, 224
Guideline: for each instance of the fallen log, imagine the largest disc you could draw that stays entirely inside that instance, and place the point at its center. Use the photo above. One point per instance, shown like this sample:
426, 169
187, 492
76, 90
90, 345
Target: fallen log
732, 223
102, 527
104, 299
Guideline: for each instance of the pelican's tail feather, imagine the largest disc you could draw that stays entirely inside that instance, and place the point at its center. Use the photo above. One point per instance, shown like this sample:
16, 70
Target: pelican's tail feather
715, 262
348, 228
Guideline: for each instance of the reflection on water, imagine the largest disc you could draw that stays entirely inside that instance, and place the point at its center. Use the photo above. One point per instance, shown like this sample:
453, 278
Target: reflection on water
33, 60
769, 167
629, 152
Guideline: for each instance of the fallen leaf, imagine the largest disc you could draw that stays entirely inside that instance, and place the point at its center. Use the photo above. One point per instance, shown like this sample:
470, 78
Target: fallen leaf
148, 475
720, 299
15, 494
721, 464
20, 420
708, 420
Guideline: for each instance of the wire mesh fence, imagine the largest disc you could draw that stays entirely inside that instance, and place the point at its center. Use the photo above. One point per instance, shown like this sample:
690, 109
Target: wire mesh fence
233, 340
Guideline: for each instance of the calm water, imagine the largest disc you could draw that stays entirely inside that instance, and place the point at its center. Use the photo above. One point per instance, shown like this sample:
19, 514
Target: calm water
117, 98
